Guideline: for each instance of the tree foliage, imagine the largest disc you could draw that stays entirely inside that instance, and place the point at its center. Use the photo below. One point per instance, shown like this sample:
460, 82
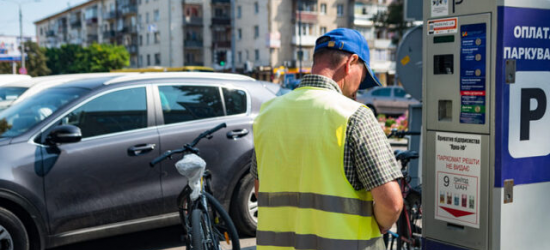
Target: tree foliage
392, 20
36, 61
94, 58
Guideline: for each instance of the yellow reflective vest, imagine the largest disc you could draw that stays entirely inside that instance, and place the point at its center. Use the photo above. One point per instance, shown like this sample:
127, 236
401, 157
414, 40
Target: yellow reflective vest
305, 199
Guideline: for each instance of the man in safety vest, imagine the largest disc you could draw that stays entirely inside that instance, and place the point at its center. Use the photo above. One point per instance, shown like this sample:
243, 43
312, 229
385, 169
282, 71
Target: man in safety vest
325, 172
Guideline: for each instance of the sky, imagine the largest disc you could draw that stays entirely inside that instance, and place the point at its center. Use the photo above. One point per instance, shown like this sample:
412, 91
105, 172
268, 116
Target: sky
33, 10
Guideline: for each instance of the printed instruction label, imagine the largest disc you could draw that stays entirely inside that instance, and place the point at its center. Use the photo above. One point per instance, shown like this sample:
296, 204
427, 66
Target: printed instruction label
443, 26
458, 170
472, 73
440, 8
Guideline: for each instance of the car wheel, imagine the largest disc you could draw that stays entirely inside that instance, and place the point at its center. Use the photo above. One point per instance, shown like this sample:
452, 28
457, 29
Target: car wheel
244, 208
373, 110
13, 235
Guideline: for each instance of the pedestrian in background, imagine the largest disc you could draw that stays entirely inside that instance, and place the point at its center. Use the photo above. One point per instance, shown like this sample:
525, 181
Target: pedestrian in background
325, 172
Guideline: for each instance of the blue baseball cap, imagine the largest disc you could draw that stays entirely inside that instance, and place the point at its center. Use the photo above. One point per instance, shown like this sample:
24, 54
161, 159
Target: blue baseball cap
353, 42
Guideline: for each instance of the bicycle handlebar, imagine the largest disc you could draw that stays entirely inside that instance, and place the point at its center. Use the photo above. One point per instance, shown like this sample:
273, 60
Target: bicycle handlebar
402, 133
188, 147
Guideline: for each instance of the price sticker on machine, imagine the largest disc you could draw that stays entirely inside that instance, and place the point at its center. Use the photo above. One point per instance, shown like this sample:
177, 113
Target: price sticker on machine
458, 169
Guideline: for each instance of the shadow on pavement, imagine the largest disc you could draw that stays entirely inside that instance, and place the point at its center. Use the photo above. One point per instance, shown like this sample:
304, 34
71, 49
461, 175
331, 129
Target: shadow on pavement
159, 239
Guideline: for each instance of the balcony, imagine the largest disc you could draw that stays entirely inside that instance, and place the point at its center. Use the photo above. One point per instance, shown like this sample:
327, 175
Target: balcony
304, 40
108, 34
306, 16
91, 20
109, 15
132, 48
221, 1
50, 33
75, 23
193, 43
193, 21
221, 21
128, 30
92, 38
221, 44
129, 10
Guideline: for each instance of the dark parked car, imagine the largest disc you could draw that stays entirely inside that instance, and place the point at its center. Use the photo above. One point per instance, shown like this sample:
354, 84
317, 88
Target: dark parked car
59, 186
391, 100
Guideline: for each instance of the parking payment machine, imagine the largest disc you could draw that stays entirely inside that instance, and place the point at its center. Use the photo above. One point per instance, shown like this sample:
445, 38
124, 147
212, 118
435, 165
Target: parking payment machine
486, 133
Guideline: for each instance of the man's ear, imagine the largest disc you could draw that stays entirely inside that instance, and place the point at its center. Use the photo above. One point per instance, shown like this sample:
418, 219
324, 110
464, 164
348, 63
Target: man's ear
350, 62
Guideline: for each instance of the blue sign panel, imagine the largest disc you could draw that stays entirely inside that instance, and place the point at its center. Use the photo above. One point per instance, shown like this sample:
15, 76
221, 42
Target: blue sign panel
523, 107
472, 73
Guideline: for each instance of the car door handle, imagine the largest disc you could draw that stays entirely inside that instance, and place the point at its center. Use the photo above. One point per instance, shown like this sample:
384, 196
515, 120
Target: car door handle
141, 149
237, 134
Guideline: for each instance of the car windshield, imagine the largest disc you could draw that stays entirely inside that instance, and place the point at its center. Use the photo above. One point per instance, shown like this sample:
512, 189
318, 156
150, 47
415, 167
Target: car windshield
9, 94
22, 116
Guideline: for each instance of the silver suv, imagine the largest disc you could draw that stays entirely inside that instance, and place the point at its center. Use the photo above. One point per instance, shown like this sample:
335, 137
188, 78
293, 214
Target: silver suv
75, 157
391, 100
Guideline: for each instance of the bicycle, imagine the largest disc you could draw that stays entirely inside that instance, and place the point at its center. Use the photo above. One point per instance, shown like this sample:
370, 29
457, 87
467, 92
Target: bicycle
205, 222
409, 225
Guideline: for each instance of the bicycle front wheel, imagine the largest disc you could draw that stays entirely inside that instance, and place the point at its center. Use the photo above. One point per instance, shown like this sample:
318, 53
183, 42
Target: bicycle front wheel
198, 232
222, 225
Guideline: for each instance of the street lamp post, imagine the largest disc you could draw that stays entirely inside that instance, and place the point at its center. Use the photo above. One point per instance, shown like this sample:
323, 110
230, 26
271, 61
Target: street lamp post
300, 53
21, 42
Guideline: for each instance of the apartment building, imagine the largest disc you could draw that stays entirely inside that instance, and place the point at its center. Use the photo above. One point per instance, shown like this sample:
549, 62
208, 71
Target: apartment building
96, 21
268, 34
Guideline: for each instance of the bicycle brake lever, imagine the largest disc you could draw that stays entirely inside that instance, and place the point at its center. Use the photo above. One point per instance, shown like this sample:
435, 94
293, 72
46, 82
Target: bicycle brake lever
209, 137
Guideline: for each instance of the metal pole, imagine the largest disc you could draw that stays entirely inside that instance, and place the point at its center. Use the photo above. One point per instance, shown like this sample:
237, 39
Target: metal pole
21, 42
233, 36
300, 39
170, 30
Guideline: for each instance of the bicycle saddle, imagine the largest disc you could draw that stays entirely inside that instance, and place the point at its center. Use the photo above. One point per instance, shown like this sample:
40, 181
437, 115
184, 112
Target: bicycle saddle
405, 155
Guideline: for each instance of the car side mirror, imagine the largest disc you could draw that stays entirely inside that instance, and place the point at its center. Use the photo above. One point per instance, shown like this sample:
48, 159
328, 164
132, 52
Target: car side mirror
64, 134
408, 96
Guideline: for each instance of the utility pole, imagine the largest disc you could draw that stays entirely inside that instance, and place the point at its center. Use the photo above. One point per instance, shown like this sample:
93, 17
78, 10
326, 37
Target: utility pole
170, 31
233, 36
21, 42
300, 53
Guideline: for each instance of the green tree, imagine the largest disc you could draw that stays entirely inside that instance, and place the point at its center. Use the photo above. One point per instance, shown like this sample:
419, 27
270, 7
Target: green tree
36, 62
69, 58
392, 20
105, 57
94, 58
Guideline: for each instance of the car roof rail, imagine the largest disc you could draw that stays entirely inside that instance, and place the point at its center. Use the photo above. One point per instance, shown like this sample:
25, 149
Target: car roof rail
168, 75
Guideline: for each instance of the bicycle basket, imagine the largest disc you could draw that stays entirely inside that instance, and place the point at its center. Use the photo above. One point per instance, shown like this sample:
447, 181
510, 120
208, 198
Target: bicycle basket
192, 167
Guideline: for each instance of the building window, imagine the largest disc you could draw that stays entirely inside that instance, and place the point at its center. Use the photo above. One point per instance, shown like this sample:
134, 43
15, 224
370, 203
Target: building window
256, 8
148, 39
239, 11
257, 55
41, 32
140, 61
147, 18
256, 31
323, 30
148, 60
340, 10
309, 6
157, 59
239, 34
157, 15
157, 37
240, 57
323, 8
139, 19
